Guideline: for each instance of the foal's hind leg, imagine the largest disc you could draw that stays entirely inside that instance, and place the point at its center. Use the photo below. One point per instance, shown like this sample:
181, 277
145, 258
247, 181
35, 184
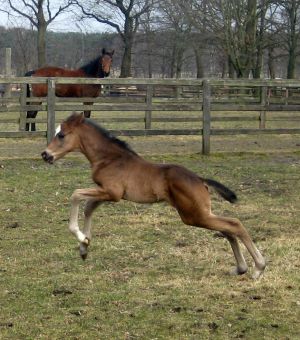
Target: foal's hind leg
90, 206
232, 229
235, 229
241, 265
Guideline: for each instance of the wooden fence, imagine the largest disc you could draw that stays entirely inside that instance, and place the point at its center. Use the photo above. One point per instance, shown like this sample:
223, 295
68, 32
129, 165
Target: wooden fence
204, 96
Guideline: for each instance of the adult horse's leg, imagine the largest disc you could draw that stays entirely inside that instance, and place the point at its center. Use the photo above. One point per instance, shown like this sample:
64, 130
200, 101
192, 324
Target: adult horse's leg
31, 114
87, 113
89, 208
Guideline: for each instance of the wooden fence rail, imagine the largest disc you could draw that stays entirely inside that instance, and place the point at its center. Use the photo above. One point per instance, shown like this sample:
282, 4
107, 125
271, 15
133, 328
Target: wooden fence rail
206, 97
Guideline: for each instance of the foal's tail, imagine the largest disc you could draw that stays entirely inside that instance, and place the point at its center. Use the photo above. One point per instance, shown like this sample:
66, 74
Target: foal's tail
226, 193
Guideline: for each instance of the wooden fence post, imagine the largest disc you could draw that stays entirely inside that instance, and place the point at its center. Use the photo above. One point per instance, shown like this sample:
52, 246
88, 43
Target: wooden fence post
23, 112
50, 110
148, 112
263, 103
206, 117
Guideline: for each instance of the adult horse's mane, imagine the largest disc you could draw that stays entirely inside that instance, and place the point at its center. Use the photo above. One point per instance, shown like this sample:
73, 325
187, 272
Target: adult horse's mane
108, 135
93, 68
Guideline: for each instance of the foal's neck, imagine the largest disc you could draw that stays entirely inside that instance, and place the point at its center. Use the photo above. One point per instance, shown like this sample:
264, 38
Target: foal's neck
98, 148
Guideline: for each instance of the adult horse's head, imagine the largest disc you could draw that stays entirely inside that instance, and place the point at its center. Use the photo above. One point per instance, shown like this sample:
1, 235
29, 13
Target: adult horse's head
99, 67
66, 139
106, 61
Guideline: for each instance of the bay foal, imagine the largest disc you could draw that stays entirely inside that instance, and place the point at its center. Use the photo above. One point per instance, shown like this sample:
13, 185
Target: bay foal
120, 173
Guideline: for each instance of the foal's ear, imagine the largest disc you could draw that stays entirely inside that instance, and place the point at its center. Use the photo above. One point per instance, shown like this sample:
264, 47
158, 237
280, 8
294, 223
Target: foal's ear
76, 118
80, 118
103, 51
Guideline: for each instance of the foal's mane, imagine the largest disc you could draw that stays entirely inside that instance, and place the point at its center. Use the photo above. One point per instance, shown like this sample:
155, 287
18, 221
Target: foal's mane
106, 134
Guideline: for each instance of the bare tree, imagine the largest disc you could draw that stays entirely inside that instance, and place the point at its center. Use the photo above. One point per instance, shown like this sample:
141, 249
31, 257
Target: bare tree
40, 14
238, 22
202, 34
148, 33
172, 20
236, 27
289, 22
122, 16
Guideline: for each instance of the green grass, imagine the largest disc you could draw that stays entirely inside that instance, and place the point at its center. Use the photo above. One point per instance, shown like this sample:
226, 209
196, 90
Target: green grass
147, 276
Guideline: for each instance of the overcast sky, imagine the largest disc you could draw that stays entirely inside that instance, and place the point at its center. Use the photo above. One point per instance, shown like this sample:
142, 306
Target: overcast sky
65, 22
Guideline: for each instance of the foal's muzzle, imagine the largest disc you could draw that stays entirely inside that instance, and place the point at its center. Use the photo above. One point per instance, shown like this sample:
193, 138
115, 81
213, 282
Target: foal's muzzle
47, 157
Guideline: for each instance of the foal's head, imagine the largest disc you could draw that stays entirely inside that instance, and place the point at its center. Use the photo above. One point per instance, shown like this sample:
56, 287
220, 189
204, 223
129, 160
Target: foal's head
106, 61
66, 138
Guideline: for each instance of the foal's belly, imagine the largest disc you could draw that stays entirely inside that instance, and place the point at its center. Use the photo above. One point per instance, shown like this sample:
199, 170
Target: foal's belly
142, 197
144, 192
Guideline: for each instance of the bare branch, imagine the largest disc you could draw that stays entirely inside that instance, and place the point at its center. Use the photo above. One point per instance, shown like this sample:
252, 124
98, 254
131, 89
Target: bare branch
27, 16
59, 11
98, 18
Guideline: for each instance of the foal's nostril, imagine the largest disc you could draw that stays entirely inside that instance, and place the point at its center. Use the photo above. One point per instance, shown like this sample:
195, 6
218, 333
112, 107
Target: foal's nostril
47, 157
44, 155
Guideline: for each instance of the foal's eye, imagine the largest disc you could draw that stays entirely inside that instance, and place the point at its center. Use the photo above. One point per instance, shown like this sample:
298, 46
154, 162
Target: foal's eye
60, 135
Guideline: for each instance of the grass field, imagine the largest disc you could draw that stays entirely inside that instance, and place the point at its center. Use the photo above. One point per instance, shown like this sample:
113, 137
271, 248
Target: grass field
147, 276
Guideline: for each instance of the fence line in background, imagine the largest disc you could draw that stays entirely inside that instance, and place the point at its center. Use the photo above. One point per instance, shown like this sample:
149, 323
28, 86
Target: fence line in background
149, 95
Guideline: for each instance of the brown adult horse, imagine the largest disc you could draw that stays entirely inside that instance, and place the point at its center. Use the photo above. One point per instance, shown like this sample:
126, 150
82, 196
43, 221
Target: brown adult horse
97, 68
122, 174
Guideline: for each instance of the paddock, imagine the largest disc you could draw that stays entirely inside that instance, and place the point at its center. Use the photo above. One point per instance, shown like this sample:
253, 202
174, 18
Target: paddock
148, 276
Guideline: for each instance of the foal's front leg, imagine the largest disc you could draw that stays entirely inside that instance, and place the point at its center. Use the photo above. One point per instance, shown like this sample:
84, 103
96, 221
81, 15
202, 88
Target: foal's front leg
93, 197
89, 208
77, 196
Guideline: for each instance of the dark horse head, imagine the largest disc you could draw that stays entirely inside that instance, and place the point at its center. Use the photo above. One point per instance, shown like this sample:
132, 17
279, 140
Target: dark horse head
99, 67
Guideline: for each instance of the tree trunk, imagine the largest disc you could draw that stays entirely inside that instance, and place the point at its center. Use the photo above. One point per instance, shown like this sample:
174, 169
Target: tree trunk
173, 61
292, 42
258, 70
179, 62
271, 63
41, 36
128, 39
291, 63
231, 69
126, 61
250, 38
149, 43
199, 64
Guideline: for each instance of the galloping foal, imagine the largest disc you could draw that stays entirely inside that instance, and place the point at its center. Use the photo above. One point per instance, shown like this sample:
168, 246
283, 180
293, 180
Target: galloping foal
122, 174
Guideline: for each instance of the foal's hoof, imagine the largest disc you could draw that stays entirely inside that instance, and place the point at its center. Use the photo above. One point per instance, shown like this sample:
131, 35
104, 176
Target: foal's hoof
238, 271
257, 273
86, 241
259, 268
84, 256
83, 249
